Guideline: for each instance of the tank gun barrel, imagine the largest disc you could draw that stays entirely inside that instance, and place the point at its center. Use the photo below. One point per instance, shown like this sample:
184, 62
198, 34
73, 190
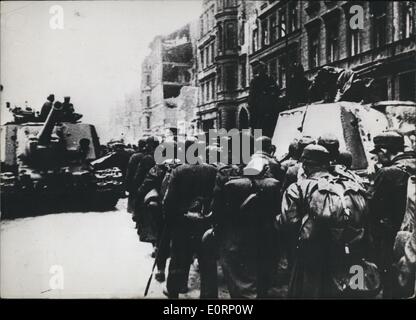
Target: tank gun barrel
45, 133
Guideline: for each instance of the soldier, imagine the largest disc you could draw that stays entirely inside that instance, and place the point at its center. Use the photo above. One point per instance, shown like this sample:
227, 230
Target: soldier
264, 153
151, 193
294, 173
186, 205
292, 157
243, 208
146, 163
314, 205
46, 108
388, 201
331, 143
132, 166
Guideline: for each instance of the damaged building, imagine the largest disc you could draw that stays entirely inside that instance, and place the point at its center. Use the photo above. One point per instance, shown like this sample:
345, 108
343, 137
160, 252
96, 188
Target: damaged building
168, 83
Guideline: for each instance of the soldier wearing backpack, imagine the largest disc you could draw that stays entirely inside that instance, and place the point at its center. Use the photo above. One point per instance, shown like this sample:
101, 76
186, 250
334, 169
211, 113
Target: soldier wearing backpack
186, 206
388, 203
151, 194
331, 216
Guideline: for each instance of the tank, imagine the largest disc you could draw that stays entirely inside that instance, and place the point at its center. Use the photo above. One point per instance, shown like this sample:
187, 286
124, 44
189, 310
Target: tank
46, 166
352, 123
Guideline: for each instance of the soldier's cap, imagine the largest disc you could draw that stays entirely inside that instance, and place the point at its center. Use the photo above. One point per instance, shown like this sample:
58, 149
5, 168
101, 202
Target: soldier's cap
315, 154
388, 140
330, 142
304, 141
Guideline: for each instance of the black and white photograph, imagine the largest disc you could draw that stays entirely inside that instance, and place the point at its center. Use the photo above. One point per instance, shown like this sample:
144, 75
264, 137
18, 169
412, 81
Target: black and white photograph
208, 150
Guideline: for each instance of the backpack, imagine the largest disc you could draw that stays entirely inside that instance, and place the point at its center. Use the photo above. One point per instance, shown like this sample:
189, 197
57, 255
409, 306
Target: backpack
336, 214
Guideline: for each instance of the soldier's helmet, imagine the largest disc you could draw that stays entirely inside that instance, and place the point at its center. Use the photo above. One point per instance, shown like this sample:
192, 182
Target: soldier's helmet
315, 155
345, 158
51, 97
390, 140
303, 142
67, 99
331, 143
264, 144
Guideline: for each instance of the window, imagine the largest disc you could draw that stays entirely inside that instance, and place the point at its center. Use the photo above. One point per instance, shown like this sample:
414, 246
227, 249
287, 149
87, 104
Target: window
273, 28
147, 122
282, 72
219, 79
408, 19
207, 56
282, 23
207, 91
332, 42
148, 101
264, 33
201, 24
243, 76
255, 39
202, 58
314, 48
213, 89
379, 13
355, 42
242, 32
230, 78
293, 16
203, 92
220, 38
212, 52
148, 80
230, 36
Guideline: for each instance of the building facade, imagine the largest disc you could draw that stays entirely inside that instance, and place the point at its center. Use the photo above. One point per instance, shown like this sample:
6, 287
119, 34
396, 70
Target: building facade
165, 72
233, 39
374, 38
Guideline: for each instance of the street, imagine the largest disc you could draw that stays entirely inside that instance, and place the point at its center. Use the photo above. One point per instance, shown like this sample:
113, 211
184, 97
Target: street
99, 252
